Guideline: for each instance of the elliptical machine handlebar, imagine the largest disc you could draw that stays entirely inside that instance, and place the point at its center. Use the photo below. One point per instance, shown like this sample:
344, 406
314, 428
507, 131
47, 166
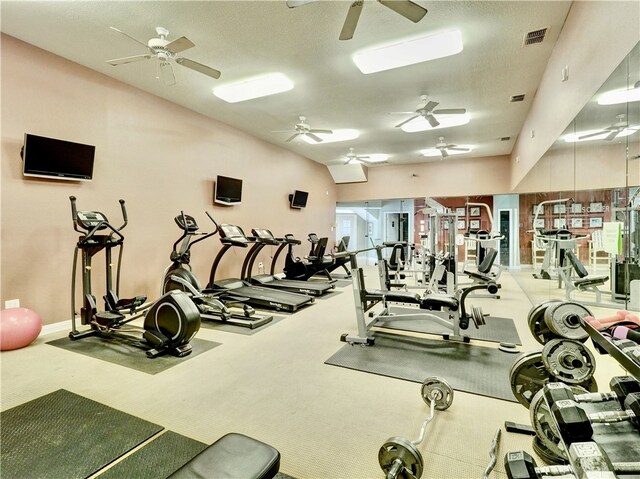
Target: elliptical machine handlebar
92, 225
124, 214
74, 213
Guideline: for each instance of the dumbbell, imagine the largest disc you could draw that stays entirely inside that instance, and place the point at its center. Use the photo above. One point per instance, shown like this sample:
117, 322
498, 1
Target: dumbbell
621, 387
574, 423
399, 457
588, 459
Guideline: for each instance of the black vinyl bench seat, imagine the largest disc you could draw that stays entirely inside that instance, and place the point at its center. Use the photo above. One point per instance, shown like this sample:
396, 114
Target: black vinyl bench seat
233, 456
431, 300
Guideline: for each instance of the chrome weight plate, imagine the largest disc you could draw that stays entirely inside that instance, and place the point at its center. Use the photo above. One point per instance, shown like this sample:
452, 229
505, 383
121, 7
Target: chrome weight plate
399, 448
527, 376
563, 320
569, 361
537, 325
438, 390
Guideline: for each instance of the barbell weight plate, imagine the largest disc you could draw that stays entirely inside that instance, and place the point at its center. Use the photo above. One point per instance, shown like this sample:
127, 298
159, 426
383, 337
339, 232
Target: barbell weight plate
443, 392
545, 454
478, 316
568, 361
537, 326
527, 376
400, 448
563, 320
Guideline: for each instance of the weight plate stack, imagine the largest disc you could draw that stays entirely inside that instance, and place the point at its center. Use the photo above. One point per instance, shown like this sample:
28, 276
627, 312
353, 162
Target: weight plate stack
527, 375
545, 454
537, 324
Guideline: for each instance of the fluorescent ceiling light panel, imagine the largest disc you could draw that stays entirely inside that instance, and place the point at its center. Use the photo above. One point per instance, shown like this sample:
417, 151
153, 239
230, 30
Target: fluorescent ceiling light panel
615, 97
436, 152
446, 121
255, 87
337, 135
409, 51
575, 137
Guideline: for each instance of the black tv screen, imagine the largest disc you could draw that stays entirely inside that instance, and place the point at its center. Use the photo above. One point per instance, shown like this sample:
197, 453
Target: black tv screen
228, 191
299, 199
51, 158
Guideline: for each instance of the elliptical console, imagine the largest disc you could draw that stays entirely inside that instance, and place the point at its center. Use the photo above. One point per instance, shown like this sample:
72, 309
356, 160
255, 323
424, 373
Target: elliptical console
169, 323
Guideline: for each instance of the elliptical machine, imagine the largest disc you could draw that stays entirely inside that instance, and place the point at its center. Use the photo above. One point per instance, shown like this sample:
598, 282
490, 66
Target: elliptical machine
169, 323
213, 305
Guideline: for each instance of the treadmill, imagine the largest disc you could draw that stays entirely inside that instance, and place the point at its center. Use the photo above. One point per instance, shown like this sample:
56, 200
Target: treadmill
262, 238
258, 296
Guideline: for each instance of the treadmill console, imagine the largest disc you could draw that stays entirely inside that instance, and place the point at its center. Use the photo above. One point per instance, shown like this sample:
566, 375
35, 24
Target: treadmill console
264, 236
88, 220
231, 234
290, 239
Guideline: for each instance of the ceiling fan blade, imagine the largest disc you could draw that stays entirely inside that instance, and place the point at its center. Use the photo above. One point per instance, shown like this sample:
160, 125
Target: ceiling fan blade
132, 38
199, 67
313, 137
135, 58
179, 45
591, 135
351, 21
432, 120
430, 106
444, 153
455, 148
326, 132
292, 137
165, 72
407, 9
299, 3
407, 121
612, 135
450, 111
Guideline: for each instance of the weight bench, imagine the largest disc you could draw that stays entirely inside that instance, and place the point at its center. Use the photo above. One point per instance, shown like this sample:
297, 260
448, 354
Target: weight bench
584, 282
483, 274
232, 456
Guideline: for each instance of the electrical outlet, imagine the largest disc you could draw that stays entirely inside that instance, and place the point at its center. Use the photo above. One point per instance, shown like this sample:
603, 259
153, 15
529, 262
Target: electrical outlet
261, 267
12, 303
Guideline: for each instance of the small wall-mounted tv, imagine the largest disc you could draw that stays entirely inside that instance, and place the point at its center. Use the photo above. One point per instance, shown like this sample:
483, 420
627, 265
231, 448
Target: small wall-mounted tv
298, 199
227, 191
57, 159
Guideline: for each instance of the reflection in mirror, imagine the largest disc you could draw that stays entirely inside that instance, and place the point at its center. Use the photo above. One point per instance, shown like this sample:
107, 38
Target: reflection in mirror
569, 231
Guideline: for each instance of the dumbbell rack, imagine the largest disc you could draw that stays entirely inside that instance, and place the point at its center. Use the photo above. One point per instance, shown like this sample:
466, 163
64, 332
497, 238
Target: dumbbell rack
620, 440
632, 367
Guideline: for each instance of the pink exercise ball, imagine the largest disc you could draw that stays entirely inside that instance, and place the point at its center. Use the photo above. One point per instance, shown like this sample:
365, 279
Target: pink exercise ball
18, 328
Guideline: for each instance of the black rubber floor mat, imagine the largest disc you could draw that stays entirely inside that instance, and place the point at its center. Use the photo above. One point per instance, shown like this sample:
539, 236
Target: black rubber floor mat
499, 330
65, 435
158, 459
232, 328
124, 354
474, 369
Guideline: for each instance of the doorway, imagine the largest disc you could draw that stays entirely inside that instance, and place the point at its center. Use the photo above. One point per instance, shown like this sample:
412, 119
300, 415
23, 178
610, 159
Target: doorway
508, 228
396, 227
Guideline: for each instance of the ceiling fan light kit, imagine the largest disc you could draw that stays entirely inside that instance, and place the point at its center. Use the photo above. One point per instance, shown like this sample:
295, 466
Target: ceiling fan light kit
254, 87
409, 51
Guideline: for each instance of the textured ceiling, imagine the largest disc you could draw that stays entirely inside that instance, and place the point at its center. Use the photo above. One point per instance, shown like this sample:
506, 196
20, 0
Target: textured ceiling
246, 38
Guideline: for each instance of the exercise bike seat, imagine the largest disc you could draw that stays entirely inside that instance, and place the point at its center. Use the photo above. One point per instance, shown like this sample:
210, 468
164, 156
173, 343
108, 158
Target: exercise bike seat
232, 456
439, 300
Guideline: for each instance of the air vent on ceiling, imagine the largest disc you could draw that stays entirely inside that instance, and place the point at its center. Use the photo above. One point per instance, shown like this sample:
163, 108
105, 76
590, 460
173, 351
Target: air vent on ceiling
505, 138
534, 36
515, 98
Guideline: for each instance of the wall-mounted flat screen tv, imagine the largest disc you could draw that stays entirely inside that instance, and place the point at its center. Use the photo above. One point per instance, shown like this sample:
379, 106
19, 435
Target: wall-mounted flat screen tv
299, 199
227, 191
57, 159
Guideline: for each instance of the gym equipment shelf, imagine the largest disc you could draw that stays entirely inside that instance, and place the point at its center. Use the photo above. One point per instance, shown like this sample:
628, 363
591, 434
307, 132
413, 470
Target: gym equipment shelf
632, 367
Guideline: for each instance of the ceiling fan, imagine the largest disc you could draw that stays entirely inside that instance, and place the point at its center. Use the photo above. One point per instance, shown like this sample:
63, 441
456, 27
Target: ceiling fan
351, 157
303, 129
426, 110
165, 51
614, 130
406, 8
444, 148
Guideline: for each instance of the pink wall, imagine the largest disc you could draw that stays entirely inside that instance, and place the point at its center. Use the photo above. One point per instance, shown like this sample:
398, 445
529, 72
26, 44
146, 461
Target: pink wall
594, 40
453, 177
158, 156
